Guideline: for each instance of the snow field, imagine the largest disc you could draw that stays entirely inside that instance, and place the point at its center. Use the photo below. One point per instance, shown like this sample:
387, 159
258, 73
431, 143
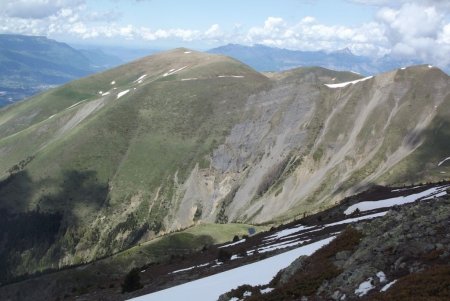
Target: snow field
211, 287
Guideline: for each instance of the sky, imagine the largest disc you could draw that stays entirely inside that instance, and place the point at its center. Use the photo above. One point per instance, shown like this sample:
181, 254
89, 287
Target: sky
411, 29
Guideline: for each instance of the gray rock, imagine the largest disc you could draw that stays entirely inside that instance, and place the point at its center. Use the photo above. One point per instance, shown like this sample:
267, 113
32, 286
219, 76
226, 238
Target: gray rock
295, 266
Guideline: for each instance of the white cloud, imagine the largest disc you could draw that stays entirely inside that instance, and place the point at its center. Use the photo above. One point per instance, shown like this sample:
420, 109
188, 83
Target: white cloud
444, 35
412, 29
214, 32
310, 34
36, 9
417, 31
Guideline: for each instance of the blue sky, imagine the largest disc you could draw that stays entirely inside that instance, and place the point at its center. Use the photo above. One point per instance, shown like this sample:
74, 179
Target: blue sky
203, 13
416, 29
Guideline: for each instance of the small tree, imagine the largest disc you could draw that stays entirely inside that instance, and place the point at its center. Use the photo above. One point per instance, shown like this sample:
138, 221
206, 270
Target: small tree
223, 255
132, 281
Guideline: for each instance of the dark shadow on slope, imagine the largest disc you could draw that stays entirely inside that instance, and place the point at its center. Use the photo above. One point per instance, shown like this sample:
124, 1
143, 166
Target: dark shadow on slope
31, 231
49, 229
78, 189
15, 191
435, 147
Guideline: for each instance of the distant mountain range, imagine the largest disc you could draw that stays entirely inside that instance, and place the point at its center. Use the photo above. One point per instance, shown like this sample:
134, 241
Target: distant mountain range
264, 58
30, 64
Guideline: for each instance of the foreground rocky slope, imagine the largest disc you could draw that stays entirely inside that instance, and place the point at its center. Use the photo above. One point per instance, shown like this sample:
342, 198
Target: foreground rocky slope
401, 256
183, 137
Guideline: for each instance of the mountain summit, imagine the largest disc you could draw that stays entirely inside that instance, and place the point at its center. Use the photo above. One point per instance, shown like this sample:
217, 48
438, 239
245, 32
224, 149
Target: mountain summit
184, 137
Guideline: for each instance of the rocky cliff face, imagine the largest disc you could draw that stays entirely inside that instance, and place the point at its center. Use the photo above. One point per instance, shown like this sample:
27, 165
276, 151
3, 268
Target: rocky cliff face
304, 145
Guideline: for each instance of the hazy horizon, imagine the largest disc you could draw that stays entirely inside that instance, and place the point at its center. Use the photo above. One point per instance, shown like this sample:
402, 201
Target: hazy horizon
407, 29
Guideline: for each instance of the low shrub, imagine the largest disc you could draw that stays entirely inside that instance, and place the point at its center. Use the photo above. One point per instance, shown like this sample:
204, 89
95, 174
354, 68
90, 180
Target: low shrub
132, 281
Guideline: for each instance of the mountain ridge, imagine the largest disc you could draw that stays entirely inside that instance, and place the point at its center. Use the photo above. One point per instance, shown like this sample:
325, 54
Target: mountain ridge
265, 58
184, 137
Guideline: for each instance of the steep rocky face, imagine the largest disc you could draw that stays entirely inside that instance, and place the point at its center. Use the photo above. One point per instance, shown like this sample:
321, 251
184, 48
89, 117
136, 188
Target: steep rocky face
184, 137
303, 145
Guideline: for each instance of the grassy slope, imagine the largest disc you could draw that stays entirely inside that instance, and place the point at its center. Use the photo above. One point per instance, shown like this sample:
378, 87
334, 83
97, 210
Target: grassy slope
103, 174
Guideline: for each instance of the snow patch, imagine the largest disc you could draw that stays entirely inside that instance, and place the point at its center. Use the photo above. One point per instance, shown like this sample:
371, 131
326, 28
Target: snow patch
387, 286
403, 189
190, 268
122, 93
340, 85
173, 71
371, 205
443, 161
106, 93
382, 276
232, 244
435, 195
430, 66
294, 236
266, 290
113, 82
261, 273
287, 232
403, 68
187, 52
76, 104
100, 92
232, 76
278, 246
351, 220
364, 287
139, 80
191, 78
